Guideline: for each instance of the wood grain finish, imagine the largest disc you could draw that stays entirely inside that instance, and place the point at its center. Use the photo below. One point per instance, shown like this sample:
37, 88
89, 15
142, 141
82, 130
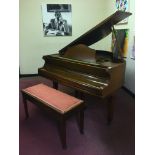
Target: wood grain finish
87, 70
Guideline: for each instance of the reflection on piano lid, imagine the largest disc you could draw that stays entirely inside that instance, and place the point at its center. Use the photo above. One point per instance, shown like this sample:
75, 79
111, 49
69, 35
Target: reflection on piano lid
84, 69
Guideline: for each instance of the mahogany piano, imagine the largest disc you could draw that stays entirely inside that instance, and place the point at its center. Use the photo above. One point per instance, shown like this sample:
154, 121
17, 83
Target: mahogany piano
96, 72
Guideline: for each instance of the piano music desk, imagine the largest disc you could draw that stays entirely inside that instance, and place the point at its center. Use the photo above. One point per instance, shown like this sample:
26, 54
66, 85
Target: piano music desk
59, 104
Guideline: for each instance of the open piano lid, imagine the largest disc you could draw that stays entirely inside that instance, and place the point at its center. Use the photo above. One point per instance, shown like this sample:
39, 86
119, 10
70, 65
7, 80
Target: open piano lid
99, 31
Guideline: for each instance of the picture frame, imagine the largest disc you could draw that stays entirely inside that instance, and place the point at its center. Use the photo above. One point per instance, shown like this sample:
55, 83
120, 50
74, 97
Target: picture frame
56, 19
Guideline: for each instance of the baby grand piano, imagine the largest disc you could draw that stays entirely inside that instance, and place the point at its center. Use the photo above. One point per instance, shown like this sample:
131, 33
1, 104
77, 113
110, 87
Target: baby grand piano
99, 73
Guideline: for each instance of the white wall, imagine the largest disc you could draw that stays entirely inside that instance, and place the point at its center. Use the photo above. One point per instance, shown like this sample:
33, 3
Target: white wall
85, 15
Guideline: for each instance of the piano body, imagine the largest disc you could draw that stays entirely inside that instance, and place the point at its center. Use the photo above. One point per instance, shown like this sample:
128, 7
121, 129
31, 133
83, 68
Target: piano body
99, 73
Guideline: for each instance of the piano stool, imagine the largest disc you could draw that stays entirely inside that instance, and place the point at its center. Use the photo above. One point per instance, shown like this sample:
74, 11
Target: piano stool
59, 104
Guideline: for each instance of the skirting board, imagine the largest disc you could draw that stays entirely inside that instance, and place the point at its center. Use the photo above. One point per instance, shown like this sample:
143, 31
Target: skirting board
27, 75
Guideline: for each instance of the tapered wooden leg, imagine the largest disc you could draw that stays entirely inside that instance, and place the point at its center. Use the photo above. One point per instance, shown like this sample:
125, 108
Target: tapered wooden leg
63, 133
76, 93
110, 108
55, 84
82, 121
79, 94
25, 107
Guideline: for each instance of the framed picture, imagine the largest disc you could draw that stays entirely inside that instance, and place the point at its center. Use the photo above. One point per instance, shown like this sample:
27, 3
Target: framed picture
57, 19
122, 5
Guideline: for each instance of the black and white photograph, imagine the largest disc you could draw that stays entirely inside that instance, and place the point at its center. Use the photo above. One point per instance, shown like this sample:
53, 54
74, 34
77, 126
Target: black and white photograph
57, 19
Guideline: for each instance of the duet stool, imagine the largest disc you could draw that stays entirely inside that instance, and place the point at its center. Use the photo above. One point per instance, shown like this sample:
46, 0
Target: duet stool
59, 104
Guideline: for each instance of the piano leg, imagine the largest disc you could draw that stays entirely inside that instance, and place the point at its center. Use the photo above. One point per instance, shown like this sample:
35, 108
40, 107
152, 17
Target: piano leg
55, 84
110, 108
79, 95
76, 93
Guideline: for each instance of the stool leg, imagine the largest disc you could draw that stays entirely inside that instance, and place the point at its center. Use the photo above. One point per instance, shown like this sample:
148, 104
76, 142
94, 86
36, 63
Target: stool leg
82, 121
25, 107
63, 132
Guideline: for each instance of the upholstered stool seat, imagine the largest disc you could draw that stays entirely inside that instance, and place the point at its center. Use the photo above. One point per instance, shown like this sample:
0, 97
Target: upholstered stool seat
60, 104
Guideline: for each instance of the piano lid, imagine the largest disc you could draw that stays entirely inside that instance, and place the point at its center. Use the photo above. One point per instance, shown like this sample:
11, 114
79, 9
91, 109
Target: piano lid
99, 31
